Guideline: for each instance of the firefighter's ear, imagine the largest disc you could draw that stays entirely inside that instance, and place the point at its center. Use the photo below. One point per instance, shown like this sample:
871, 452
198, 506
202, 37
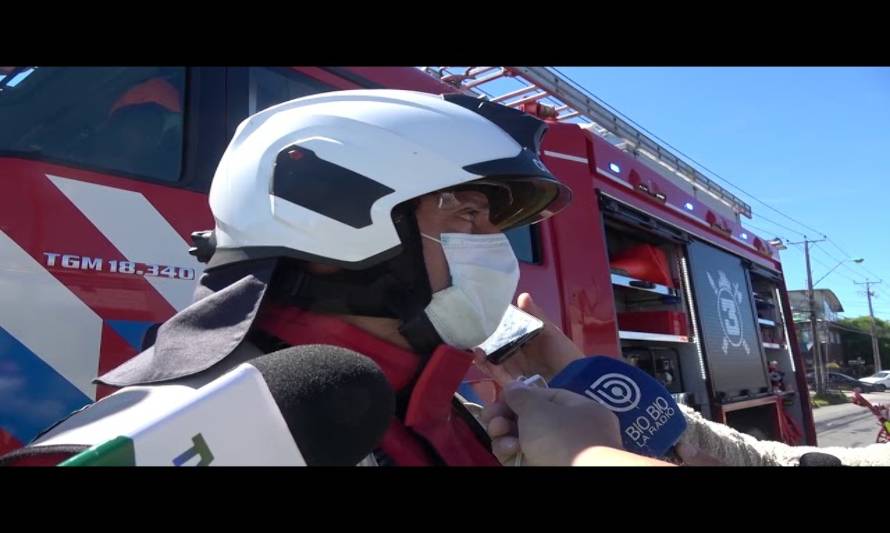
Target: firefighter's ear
319, 268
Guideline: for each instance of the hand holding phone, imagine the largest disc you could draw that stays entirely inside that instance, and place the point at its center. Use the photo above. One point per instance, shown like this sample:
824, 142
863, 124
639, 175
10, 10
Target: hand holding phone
516, 328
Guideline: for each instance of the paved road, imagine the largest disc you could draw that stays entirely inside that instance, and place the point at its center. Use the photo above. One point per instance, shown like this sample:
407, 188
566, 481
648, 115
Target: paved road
848, 424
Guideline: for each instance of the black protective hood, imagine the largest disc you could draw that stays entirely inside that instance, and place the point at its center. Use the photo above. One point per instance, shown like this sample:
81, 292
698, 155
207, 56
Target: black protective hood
226, 304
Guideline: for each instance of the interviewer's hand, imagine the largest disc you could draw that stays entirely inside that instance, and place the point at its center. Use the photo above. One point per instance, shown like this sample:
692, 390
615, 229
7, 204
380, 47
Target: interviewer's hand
551, 427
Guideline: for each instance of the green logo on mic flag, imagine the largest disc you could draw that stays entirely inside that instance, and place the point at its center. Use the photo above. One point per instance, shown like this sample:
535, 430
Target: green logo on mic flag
200, 449
118, 451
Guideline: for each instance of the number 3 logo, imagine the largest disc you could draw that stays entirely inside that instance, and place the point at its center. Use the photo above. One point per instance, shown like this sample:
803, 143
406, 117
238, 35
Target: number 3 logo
730, 318
728, 299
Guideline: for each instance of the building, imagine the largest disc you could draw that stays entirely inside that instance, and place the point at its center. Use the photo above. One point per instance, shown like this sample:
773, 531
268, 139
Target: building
829, 330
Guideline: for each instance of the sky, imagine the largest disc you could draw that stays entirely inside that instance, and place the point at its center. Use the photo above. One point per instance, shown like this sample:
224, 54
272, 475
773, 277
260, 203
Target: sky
812, 143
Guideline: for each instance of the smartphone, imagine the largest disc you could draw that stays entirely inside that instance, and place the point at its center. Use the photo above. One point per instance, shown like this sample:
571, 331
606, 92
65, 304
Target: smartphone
516, 328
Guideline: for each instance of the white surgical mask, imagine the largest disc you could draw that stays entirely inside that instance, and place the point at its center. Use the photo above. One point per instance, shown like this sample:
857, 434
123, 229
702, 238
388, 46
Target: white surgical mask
484, 276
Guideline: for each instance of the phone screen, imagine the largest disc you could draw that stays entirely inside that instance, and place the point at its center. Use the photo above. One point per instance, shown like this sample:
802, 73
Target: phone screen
516, 328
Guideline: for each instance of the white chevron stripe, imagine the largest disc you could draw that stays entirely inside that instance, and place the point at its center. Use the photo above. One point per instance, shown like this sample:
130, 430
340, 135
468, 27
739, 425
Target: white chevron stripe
44, 315
138, 230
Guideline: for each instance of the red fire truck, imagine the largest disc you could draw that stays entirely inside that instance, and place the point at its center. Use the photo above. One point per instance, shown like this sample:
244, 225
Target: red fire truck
104, 174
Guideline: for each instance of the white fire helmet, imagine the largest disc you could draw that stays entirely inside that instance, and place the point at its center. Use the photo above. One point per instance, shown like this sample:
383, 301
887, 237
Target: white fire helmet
317, 178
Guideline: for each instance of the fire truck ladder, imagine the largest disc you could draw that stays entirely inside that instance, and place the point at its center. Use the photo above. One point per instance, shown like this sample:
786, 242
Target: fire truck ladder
553, 97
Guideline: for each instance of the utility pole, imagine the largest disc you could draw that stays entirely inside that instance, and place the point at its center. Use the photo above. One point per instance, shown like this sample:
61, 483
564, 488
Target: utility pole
818, 366
874, 334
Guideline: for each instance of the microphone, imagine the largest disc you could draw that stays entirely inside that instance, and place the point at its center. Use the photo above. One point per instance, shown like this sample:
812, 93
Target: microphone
819, 459
315, 405
651, 423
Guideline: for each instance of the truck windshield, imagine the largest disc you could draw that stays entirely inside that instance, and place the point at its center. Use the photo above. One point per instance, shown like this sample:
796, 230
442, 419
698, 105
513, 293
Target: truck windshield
114, 119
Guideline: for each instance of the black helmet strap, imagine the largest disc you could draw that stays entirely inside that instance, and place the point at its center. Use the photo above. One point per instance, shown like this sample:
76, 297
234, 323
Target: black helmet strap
397, 288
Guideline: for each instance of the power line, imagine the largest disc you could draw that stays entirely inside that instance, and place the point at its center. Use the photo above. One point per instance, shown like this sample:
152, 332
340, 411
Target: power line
841, 262
866, 305
721, 178
836, 245
826, 252
797, 246
724, 180
759, 216
818, 261
846, 262
762, 230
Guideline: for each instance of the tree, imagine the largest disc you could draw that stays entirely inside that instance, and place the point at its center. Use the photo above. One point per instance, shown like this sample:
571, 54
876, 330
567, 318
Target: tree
858, 345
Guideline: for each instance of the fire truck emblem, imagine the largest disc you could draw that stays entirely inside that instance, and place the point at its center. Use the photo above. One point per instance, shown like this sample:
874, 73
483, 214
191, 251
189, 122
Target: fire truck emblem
729, 299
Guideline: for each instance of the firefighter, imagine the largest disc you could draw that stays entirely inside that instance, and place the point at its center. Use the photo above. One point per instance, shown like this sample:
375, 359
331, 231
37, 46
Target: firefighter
371, 220
143, 130
776, 377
